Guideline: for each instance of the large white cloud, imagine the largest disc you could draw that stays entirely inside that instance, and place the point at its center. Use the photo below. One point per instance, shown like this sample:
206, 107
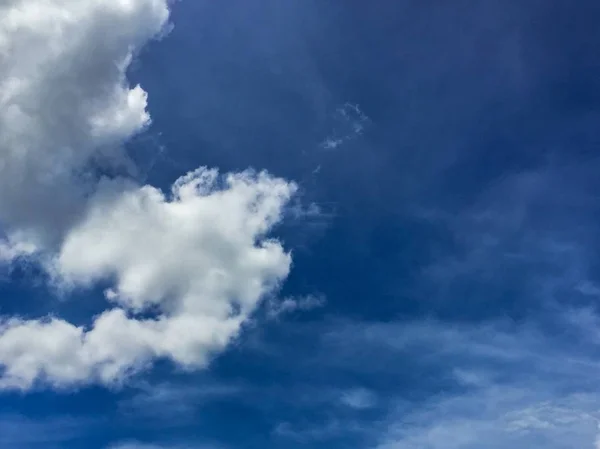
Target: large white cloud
199, 258
196, 261
65, 101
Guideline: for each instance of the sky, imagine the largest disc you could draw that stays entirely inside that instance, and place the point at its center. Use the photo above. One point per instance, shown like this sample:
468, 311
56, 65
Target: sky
299, 224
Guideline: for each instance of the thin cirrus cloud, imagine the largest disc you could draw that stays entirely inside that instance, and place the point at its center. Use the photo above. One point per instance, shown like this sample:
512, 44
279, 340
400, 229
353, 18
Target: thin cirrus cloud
499, 384
494, 382
510, 383
513, 388
523, 383
199, 256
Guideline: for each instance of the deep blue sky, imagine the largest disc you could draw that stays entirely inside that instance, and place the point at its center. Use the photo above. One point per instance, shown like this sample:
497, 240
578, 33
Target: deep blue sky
455, 243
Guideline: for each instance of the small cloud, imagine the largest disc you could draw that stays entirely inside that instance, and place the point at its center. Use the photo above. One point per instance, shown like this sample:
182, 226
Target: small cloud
471, 378
359, 398
332, 144
588, 288
11, 250
276, 309
349, 122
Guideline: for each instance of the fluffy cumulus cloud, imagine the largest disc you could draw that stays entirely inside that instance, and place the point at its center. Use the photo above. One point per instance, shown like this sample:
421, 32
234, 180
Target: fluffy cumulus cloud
278, 308
195, 261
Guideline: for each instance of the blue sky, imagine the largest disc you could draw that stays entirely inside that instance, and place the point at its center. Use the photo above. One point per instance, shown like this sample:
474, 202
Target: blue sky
299, 223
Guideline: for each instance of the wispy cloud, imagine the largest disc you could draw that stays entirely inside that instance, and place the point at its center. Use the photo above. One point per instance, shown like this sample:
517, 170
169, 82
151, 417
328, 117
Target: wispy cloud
500, 385
349, 123
359, 398
278, 308
439, 384
498, 418
521, 246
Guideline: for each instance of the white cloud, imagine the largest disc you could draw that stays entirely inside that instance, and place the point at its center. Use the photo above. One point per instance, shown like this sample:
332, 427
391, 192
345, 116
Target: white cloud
189, 254
198, 258
359, 398
10, 251
65, 102
349, 122
276, 308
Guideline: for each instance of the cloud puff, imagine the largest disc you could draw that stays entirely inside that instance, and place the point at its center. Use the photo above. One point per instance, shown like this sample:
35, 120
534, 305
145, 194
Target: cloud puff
276, 309
190, 254
349, 124
194, 258
359, 398
195, 262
